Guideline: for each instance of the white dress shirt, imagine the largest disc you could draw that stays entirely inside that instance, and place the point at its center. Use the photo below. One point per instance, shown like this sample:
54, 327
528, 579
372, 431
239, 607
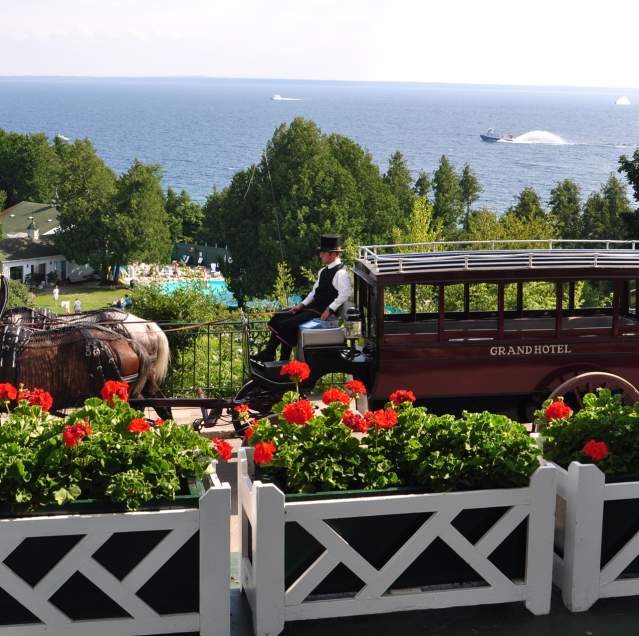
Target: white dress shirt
341, 282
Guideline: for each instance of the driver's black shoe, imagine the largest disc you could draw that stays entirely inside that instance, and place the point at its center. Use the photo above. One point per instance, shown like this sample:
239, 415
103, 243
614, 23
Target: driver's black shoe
264, 356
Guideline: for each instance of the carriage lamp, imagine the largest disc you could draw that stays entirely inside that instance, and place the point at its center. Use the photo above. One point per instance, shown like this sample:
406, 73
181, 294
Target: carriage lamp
353, 323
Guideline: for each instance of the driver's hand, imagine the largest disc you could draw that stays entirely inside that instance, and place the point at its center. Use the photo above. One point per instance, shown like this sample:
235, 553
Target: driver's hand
326, 314
296, 308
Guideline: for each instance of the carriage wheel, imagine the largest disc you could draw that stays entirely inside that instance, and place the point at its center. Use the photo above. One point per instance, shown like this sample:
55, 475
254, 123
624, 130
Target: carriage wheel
259, 399
575, 388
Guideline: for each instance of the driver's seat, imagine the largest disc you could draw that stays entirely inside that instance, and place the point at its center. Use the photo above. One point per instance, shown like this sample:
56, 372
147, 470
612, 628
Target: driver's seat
318, 333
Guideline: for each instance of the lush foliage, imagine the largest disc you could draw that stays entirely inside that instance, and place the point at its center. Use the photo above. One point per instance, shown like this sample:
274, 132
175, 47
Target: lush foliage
604, 431
399, 445
105, 450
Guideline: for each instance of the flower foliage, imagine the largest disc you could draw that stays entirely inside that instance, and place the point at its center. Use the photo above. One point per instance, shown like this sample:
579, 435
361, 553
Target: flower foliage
101, 451
604, 431
398, 445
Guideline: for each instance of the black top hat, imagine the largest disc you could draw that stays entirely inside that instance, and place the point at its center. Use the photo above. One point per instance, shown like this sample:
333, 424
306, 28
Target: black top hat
330, 243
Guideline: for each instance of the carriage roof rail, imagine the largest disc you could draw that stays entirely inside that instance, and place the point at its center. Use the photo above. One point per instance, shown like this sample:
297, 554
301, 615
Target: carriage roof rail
496, 255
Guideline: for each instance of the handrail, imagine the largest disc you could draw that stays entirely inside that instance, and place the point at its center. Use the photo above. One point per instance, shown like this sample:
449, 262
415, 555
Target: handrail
551, 255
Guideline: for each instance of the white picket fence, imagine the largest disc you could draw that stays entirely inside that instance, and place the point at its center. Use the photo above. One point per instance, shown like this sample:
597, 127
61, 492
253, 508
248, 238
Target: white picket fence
264, 513
211, 520
579, 573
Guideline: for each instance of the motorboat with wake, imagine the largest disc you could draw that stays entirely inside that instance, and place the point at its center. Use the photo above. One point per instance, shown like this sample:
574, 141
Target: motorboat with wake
492, 136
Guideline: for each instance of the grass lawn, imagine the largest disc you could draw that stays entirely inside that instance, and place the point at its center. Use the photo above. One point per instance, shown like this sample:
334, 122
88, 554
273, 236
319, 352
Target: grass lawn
91, 295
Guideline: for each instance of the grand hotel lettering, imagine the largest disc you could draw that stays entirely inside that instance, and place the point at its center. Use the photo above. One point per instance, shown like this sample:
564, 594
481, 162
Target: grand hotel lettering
530, 350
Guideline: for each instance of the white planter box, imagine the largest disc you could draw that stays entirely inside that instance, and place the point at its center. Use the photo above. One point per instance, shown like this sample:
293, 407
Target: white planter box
48, 563
277, 592
597, 537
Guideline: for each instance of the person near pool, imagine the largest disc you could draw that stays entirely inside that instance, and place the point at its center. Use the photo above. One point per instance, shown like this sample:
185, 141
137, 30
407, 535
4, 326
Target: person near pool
330, 291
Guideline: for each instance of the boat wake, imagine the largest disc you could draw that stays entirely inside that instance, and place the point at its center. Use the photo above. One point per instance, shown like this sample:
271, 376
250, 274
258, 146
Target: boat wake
279, 98
539, 137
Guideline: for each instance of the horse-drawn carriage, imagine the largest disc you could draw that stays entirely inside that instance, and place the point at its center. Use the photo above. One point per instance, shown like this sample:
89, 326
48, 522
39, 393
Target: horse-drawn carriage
471, 326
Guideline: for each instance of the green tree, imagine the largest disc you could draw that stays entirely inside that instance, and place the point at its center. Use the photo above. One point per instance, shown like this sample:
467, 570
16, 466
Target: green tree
470, 191
399, 180
283, 287
3, 199
84, 201
448, 206
528, 205
185, 216
423, 184
306, 184
28, 167
565, 209
606, 213
140, 222
630, 167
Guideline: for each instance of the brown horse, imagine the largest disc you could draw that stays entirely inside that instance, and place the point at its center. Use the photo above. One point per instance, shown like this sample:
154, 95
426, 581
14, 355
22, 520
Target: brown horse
72, 362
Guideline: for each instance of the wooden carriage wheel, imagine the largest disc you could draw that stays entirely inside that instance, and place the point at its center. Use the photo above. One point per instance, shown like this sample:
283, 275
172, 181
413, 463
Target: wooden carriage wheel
575, 388
259, 399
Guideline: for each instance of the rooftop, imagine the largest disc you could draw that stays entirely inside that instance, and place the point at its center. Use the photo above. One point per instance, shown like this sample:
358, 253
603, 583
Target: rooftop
405, 263
19, 248
16, 219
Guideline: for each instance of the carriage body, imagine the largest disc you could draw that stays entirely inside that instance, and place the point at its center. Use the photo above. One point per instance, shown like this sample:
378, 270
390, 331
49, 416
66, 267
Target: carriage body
483, 328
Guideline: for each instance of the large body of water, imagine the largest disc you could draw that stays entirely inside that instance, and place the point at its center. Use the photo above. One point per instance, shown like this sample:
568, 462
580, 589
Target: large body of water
201, 131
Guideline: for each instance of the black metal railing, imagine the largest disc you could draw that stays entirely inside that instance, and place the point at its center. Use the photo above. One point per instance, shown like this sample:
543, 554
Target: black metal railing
213, 357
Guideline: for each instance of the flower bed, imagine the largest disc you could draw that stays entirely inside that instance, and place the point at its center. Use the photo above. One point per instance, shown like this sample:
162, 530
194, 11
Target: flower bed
75, 558
596, 453
447, 512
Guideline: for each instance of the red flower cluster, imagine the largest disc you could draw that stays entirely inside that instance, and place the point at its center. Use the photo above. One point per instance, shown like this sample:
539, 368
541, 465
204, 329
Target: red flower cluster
557, 411
139, 425
595, 450
36, 397
242, 411
401, 395
222, 447
381, 418
263, 452
73, 433
159, 421
336, 395
355, 422
247, 433
355, 387
113, 388
297, 371
298, 412
8, 391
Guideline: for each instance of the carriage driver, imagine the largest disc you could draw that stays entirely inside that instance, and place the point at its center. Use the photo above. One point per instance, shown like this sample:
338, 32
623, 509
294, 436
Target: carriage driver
331, 290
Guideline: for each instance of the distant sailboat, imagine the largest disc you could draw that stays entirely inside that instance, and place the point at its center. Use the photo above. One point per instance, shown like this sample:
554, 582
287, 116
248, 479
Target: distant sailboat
62, 138
279, 98
622, 101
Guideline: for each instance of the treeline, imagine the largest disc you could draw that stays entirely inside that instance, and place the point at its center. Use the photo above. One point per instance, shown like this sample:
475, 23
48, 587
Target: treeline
105, 219
273, 212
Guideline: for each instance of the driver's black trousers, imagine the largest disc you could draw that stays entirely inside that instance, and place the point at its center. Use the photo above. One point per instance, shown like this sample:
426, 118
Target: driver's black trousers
285, 328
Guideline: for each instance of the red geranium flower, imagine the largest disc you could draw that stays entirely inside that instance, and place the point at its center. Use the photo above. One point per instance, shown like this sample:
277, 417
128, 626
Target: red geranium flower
298, 412
223, 448
73, 433
241, 408
356, 388
336, 395
8, 391
297, 371
139, 425
263, 452
402, 395
355, 422
41, 398
595, 450
159, 421
557, 411
112, 388
247, 434
381, 418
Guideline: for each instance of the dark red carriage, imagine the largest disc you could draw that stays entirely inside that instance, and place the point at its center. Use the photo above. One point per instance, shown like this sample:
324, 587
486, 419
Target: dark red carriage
470, 326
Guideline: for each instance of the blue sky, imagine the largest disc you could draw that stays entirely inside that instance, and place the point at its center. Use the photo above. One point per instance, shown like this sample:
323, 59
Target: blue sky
558, 42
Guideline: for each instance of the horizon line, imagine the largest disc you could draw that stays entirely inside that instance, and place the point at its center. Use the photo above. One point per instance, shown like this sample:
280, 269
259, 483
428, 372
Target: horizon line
341, 81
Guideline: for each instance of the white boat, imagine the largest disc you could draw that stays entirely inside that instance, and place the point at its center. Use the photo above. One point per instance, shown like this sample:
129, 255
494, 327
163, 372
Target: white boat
623, 101
279, 98
62, 138
492, 136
